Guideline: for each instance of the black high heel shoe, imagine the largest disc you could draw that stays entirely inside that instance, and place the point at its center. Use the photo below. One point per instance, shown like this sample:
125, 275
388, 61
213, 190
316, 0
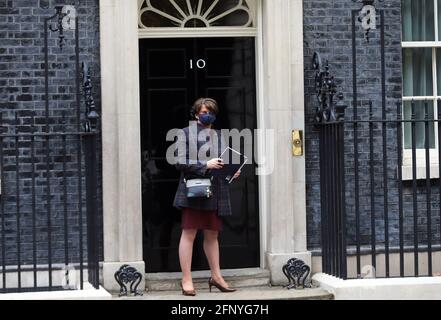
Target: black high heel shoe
211, 283
191, 293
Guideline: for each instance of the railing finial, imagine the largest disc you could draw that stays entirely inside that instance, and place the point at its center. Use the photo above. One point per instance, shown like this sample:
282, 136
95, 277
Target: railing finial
328, 109
92, 115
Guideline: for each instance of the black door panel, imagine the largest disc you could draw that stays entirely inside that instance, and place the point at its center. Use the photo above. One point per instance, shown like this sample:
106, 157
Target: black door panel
174, 73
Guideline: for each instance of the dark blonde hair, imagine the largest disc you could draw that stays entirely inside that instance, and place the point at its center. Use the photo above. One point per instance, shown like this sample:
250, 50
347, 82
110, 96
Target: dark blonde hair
211, 105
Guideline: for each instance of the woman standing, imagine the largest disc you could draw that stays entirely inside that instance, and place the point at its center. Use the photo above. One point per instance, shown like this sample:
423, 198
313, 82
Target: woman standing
202, 213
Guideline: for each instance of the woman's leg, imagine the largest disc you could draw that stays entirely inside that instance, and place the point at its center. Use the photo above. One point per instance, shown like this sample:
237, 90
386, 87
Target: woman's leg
211, 248
185, 255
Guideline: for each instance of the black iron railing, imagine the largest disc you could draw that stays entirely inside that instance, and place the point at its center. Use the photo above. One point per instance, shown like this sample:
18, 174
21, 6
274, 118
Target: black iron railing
48, 172
43, 217
391, 212
332, 185
379, 171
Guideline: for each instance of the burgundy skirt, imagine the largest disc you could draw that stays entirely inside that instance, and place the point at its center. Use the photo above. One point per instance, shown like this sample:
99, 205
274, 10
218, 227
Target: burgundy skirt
200, 219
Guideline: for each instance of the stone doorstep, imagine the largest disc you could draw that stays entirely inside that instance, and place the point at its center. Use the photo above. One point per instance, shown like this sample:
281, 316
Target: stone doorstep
249, 293
237, 278
252, 284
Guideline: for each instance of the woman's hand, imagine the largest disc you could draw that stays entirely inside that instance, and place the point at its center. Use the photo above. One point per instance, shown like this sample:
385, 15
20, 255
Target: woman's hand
216, 163
237, 174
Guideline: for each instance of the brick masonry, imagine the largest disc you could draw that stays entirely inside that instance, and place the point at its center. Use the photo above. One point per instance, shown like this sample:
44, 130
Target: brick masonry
22, 103
327, 29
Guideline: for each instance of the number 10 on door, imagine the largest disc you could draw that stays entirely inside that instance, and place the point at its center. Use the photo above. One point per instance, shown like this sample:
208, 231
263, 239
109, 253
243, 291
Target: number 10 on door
200, 64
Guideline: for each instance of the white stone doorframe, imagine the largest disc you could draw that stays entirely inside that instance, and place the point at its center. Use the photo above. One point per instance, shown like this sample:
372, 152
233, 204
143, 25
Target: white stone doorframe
281, 107
122, 214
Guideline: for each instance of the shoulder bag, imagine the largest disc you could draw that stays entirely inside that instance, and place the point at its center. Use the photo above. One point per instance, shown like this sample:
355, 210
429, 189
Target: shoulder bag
198, 188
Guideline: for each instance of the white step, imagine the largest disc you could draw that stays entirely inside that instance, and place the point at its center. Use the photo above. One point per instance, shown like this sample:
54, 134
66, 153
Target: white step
236, 278
249, 293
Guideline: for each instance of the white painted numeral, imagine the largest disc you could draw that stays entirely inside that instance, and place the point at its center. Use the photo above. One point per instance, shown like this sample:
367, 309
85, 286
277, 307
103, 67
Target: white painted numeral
200, 64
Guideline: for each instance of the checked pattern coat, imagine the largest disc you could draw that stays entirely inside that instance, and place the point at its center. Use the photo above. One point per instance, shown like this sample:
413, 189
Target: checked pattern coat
220, 200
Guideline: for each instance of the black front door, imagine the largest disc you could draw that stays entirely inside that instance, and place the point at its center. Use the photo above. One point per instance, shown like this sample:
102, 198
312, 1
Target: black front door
174, 73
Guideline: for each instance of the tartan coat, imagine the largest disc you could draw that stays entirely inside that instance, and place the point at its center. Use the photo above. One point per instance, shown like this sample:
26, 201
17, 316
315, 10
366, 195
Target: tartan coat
220, 200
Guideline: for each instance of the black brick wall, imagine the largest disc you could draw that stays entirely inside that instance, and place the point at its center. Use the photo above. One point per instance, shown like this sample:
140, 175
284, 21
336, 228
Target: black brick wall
327, 29
22, 96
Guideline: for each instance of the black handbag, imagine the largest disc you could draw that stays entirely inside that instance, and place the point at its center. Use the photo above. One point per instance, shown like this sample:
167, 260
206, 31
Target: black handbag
198, 188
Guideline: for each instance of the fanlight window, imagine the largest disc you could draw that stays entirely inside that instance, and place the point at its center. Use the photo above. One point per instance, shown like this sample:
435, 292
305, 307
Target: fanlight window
195, 13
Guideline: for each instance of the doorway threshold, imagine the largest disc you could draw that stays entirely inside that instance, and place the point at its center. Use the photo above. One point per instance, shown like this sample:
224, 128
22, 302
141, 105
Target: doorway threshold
250, 293
236, 278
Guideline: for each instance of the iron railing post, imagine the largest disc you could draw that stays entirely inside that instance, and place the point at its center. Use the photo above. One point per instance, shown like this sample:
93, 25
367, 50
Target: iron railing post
92, 209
